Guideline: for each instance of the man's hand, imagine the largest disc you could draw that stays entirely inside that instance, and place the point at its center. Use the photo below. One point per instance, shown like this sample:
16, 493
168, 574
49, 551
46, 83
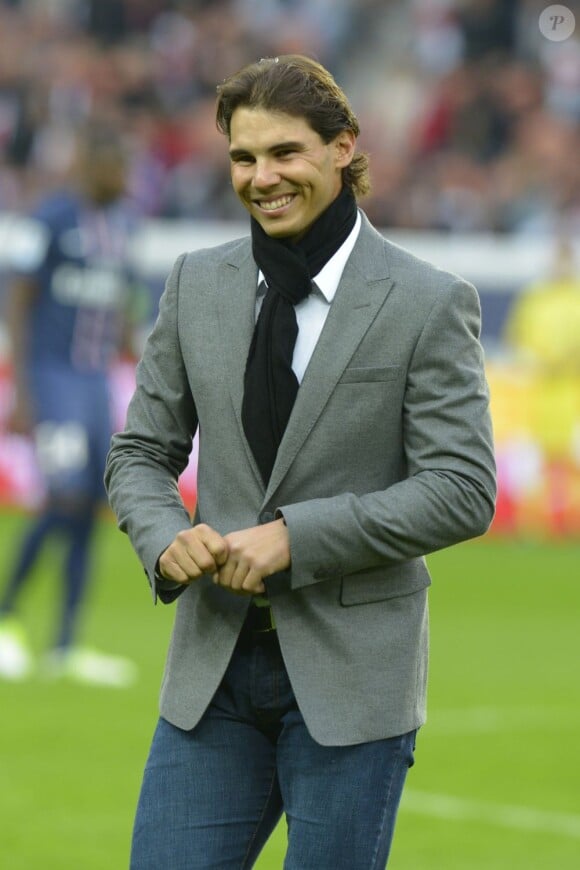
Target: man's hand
193, 552
254, 554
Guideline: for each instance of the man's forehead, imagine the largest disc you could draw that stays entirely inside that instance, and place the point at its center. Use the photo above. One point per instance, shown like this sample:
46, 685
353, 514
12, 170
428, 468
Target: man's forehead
272, 127
257, 117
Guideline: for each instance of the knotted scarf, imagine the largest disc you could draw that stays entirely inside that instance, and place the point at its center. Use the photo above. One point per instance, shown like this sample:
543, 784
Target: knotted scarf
270, 385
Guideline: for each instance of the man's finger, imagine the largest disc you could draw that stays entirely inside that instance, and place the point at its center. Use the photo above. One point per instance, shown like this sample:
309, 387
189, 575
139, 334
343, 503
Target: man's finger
253, 583
170, 569
213, 542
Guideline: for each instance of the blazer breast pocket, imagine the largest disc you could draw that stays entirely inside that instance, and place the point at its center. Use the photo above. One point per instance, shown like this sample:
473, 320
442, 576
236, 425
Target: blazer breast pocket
370, 374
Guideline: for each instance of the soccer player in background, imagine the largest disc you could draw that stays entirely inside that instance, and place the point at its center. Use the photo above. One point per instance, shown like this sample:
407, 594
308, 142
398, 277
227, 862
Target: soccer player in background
542, 332
67, 320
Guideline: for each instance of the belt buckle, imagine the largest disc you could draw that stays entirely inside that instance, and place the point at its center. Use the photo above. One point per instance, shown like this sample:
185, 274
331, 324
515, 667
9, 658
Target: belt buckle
266, 619
271, 621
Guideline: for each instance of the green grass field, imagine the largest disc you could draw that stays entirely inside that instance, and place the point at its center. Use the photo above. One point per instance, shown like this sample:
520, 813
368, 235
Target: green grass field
497, 779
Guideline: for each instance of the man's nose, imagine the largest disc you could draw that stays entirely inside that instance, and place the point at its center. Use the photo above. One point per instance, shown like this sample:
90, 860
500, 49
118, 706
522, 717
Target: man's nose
265, 174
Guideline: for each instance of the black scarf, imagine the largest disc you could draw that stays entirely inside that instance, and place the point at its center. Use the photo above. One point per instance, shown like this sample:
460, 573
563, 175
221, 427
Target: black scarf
270, 385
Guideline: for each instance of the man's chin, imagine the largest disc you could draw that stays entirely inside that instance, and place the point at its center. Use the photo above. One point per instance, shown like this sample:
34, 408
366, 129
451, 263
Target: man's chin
277, 229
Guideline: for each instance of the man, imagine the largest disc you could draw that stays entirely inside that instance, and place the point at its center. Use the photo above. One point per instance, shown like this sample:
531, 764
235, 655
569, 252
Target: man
343, 433
67, 318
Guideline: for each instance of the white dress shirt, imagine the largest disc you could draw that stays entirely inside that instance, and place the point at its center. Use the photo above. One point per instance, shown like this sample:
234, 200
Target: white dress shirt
312, 312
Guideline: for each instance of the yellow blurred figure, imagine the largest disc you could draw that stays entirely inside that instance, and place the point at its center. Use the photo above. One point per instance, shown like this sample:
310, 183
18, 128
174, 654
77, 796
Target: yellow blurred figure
543, 332
544, 324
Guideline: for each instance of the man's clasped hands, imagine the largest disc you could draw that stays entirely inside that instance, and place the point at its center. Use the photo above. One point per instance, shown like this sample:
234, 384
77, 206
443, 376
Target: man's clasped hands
238, 561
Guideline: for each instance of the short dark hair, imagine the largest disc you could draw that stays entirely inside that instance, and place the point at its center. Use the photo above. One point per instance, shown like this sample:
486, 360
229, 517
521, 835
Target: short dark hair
299, 86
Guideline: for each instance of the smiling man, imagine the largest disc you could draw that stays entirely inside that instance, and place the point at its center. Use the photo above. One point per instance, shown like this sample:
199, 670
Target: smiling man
282, 170
337, 385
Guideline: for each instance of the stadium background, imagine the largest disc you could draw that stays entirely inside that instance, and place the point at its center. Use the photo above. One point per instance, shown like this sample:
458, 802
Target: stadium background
472, 120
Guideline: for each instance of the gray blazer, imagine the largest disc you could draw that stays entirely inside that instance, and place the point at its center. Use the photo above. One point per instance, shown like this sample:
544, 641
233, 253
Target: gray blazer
387, 456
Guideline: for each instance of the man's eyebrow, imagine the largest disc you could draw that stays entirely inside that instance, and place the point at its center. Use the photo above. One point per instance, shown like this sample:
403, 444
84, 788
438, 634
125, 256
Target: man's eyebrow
235, 153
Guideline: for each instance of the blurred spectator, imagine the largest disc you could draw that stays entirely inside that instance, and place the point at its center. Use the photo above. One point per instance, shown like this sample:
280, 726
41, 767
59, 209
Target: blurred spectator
488, 27
543, 334
68, 316
543, 329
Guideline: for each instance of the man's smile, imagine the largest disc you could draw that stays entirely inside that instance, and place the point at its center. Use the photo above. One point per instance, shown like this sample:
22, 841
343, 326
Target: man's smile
271, 205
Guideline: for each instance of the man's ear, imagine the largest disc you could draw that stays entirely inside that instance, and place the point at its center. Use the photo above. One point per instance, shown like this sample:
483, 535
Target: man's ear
344, 145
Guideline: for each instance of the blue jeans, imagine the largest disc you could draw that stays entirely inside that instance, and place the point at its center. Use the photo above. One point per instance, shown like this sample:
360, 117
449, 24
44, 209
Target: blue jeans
212, 796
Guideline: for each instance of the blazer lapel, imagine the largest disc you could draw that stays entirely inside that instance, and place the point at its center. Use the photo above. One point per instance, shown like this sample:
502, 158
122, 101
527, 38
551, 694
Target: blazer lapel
361, 293
236, 300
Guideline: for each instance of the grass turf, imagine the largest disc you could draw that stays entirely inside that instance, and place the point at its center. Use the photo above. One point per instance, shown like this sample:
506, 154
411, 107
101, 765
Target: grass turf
495, 785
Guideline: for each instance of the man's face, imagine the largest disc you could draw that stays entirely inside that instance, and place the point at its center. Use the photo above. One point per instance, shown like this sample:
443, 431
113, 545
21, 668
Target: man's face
282, 171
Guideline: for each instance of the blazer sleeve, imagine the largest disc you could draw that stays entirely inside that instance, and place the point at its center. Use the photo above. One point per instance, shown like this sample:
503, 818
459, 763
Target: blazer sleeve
147, 458
449, 492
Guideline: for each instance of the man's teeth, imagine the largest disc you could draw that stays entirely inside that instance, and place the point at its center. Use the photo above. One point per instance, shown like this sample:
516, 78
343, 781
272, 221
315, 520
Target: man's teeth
275, 203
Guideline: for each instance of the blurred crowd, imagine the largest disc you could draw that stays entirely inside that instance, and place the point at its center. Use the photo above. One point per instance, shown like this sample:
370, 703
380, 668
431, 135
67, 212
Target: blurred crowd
470, 114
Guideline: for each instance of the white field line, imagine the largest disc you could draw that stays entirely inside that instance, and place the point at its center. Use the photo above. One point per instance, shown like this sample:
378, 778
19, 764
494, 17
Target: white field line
503, 815
486, 720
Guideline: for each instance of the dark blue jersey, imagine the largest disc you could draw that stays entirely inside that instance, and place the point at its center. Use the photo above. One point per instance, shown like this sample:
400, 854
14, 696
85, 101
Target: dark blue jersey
82, 271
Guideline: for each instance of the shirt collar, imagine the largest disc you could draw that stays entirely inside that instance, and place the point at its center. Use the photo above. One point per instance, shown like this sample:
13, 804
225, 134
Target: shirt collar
328, 278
